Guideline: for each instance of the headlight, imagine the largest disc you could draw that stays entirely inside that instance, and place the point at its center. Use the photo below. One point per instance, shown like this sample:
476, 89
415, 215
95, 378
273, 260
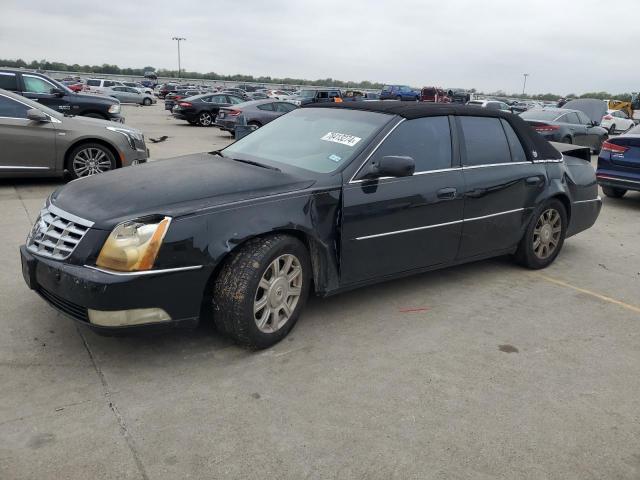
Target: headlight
115, 108
131, 135
133, 246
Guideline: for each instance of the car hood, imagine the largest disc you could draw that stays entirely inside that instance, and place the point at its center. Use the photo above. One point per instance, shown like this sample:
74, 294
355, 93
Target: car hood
593, 108
82, 122
95, 98
173, 187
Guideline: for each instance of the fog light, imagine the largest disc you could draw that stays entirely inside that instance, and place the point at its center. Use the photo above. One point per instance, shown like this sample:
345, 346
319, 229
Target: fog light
123, 318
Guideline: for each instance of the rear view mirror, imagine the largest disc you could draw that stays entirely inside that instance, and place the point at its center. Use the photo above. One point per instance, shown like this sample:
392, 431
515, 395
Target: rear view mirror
36, 115
392, 166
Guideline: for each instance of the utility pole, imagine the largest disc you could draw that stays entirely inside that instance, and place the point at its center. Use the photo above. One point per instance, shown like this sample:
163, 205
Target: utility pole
524, 85
178, 39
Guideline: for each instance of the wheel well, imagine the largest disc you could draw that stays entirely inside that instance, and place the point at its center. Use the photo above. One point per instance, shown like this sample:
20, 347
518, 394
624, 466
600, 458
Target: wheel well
84, 141
566, 203
94, 112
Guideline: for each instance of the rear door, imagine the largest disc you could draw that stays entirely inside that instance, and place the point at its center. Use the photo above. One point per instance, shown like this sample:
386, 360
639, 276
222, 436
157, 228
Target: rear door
578, 131
501, 186
592, 132
26, 146
395, 225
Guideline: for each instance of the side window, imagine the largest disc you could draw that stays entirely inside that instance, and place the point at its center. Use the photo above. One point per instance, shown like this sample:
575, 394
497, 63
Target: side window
485, 141
235, 100
93, 83
219, 99
426, 140
132, 90
267, 107
108, 83
36, 84
8, 81
584, 120
572, 118
286, 107
323, 95
517, 152
11, 109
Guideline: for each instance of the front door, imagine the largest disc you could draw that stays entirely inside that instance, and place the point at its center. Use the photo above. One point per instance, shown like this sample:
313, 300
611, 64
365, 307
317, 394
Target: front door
395, 225
501, 186
39, 89
26, 146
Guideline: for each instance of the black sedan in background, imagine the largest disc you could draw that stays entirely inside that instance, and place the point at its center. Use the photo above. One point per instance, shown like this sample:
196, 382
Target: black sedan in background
566, 126
203, 109
320, 200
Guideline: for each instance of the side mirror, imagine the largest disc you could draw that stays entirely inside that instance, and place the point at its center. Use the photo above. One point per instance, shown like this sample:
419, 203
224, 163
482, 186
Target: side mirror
392, 166
58, 92
36, 115
593, 123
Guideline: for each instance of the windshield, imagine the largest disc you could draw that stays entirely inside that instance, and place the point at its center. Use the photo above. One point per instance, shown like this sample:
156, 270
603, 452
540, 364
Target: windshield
316, 139
548, 115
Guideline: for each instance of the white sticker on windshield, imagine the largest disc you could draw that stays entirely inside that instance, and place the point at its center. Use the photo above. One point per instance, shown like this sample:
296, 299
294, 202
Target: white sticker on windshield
342, 138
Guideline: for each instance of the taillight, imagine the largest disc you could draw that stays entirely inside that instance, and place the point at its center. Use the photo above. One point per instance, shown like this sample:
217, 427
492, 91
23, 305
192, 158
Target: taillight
608, 117
233, 113
185, 104
546, 128
613, 148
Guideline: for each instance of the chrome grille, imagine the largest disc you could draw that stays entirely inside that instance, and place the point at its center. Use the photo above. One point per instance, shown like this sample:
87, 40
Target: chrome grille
56, 233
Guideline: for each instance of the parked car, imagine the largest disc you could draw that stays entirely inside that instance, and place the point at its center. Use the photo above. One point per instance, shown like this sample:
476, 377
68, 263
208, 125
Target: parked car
434, 95
257, 96
459, 95
131, 95
39, 141
317, 95
53, 94
166, 88
566, 126
278, 94
73, 85
237, 92
491, 105
139, 86
399, 92
172, 98
619, 164
617, 121
100, 85
321, 200
257, 113
203, 109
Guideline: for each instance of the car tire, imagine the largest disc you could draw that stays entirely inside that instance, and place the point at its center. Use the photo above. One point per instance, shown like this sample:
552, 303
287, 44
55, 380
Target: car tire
612, 130
399, 98
255, 124
96, 115
193, 122
542, 242
205, 119
250, 293
567, 139
614, 192
90, 159
146, 102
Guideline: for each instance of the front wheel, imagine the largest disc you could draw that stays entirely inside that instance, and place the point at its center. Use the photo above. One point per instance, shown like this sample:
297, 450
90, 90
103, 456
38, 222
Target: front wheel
90, 159
399, 98
146, 101
544, 237
614, 192
261, 290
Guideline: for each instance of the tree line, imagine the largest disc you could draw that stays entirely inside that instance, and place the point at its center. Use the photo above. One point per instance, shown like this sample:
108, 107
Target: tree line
107, 69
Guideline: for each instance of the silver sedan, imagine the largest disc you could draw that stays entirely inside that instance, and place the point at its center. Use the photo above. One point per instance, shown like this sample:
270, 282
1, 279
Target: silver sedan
131, 95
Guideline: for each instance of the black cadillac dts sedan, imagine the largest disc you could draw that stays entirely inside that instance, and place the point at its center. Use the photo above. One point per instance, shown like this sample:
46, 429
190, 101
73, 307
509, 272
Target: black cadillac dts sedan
321, 200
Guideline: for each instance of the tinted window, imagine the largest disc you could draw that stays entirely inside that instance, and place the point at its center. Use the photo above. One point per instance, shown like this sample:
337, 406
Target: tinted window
93, 83
426, 140
8, 81
108, 83
12, 109
571, 118
36, 85
484, 141
267, 106
584, 120
323, 94
284, 107
548, 115
517, 152
219, 99
235, 100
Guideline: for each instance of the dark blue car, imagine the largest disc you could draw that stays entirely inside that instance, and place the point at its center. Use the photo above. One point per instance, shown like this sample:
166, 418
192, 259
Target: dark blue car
399, 92
619, 164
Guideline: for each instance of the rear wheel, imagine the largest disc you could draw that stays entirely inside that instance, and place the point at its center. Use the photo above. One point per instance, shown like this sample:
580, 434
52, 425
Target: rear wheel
146, 101
261, 290
255, 124
399, 98
544, 236
205, 119
614, 192
567, 139
90, 159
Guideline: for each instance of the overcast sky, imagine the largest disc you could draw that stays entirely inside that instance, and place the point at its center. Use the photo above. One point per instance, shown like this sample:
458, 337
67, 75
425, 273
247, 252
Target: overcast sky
567, 46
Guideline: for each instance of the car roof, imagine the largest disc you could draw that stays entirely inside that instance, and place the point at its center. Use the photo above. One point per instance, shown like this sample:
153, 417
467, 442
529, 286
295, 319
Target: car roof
411, 110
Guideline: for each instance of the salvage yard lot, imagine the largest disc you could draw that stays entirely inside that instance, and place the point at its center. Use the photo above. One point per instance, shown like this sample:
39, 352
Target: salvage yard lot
485, 370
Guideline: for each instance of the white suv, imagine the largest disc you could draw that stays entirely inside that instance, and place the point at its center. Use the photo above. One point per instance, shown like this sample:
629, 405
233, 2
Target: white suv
100, 85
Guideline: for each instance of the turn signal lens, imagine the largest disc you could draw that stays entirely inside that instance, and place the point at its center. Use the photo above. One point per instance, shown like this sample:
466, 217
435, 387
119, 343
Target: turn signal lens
133, 246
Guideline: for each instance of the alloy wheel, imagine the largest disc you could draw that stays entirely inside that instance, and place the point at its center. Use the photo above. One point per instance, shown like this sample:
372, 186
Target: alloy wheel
278, 293
205, 119
90, 161
547, 233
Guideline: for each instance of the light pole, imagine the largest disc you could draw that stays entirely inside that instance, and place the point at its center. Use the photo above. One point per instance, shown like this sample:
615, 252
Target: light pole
524, 85
178, 39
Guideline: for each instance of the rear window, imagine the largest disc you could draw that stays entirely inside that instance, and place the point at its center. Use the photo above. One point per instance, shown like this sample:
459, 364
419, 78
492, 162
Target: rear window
546, 115
517, 152
485, 142
8, 81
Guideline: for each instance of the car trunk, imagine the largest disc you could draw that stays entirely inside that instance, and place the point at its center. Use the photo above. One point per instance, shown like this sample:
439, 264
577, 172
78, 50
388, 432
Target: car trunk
628, 153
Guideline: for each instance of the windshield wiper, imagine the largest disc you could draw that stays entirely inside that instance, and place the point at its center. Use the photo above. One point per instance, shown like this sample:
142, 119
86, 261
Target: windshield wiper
257, 164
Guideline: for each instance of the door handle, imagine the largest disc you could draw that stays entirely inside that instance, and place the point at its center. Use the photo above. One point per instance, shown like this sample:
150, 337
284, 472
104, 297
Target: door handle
447, 193
534, 181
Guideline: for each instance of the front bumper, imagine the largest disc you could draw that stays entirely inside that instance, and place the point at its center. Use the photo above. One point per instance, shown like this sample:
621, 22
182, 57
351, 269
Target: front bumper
74, 290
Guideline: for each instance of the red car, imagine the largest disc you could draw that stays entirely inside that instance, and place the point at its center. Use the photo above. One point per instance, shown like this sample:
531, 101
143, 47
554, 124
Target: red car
73, 85
434, 95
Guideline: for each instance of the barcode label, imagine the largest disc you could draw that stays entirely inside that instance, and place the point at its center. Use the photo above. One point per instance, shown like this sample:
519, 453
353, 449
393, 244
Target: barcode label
343, 138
